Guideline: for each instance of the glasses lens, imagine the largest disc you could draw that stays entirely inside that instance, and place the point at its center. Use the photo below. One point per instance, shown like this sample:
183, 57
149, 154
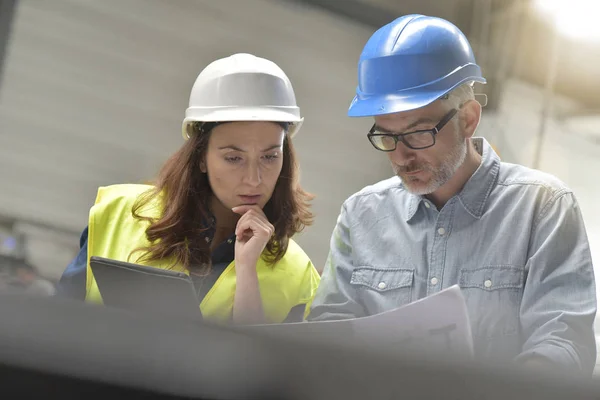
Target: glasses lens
385, 143
419, 140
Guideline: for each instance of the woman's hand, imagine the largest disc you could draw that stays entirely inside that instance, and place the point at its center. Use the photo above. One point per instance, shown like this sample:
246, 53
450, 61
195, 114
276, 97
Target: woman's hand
253, 232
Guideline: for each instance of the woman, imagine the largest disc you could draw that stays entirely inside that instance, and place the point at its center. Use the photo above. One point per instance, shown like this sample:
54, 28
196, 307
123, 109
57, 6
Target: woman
224, 207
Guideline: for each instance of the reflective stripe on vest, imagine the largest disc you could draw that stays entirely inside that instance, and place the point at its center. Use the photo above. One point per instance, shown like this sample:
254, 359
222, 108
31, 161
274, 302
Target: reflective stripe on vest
114, 233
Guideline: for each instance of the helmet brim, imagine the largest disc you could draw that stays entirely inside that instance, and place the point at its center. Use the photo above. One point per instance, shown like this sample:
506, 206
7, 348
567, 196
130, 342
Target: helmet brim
365, 105
237, 114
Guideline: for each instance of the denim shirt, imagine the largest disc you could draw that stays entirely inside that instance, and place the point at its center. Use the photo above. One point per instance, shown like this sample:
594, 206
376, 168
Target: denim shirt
513, 239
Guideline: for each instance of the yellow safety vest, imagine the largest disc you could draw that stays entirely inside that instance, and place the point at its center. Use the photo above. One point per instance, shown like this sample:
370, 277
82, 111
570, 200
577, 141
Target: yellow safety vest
114, 233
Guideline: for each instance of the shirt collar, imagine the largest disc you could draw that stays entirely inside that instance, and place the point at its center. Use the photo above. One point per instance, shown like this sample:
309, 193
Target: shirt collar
411, 205
476, 191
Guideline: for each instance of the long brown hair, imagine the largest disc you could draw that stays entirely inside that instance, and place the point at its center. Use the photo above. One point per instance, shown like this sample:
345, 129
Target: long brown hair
184, 193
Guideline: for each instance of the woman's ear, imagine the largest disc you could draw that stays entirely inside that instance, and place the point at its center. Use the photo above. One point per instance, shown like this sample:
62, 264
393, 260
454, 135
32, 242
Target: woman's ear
203, 167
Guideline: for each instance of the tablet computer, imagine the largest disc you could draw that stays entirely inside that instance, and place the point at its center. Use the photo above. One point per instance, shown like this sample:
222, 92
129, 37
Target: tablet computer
141, 288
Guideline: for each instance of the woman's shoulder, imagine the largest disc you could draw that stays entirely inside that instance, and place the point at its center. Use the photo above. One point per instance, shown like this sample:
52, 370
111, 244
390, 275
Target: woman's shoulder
121, 191
120, 199
299, 271
295, 249
295, 258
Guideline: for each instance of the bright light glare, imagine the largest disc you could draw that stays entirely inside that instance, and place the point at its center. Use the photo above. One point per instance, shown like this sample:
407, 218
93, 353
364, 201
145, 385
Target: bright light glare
577, 19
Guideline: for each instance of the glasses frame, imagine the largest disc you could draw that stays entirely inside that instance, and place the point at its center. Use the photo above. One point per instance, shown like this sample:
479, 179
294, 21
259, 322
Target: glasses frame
401, 137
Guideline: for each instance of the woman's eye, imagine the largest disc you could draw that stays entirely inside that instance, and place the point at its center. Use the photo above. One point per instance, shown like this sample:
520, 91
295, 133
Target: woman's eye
233, 159
271, 157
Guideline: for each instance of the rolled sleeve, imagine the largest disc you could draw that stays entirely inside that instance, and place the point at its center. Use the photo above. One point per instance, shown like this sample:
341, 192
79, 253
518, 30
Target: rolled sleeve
559, 300
336, 298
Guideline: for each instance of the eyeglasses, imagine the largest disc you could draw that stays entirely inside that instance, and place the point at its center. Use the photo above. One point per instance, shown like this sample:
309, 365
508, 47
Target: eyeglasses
417, 140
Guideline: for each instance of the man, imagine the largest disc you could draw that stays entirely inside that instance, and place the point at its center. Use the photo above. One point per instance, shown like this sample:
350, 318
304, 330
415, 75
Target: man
32, 283
512, 238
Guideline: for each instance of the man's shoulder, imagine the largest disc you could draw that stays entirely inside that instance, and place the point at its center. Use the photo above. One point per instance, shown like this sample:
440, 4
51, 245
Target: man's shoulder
377, 192
531, 179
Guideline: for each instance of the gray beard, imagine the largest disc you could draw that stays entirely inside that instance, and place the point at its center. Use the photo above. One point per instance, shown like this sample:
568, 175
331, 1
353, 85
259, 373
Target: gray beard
451, 163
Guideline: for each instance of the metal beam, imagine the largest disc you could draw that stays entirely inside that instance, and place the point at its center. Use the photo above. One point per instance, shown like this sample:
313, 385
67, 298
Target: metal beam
358, 11
578, 113
7, 11
18, 222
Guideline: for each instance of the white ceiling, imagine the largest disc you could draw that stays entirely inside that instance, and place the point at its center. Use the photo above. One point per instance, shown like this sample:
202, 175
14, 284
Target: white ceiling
94, 93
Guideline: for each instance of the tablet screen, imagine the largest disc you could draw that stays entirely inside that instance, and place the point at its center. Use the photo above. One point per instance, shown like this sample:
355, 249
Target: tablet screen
140, 288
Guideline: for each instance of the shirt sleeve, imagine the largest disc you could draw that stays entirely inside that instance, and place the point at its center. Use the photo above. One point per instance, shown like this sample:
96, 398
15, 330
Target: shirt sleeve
72, 282
336, 298
559, 300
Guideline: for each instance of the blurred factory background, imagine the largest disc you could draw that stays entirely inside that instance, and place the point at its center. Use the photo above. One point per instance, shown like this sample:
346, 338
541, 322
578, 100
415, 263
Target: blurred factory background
93, 93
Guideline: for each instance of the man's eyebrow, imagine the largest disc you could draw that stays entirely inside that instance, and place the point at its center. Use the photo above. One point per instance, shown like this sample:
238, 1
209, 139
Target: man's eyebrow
412, 125
420, 121
380, 129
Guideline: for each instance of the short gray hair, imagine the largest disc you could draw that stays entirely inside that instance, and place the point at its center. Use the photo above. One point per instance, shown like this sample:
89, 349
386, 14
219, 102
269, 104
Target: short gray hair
461, 94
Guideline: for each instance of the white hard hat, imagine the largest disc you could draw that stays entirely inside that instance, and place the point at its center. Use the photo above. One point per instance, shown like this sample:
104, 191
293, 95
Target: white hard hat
243, 87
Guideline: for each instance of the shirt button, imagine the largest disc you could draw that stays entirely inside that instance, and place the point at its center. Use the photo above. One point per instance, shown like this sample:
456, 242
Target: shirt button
207, 239
487, 283
381, 285
229, 241
427, 205
441, 231
434, 281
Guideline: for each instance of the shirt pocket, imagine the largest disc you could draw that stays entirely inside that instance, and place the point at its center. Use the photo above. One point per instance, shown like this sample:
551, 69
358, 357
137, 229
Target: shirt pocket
381, 289
493, 295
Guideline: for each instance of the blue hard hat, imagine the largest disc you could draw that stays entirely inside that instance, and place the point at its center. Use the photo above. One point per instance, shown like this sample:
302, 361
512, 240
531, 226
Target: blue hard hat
410, 63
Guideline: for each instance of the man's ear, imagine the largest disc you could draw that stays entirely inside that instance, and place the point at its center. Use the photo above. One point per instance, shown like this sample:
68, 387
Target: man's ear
470, 117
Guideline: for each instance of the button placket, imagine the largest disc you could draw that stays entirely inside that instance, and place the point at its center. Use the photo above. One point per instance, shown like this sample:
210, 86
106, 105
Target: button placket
438, 251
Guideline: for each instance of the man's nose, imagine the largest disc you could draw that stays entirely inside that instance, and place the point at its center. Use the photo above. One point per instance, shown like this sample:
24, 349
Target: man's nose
402, 155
